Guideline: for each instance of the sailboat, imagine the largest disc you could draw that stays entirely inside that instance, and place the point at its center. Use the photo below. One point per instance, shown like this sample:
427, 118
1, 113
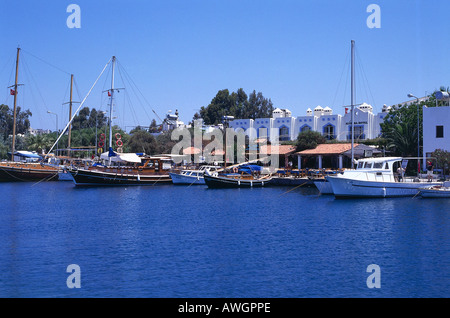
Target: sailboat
117, 168
373, 177
24, 166
246, 176
323, 184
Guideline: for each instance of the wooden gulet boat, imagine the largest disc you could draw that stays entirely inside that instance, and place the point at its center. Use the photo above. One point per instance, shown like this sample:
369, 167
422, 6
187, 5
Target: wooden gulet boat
142, 171
240, 178
24, 171
117, 168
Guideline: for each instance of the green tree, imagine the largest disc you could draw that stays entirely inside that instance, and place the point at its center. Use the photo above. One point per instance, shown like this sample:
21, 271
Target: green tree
87, 118
259, 106
309, 140
400, 129
165, 143
142, 141
236, 104
153, 127
400, 126
136, 129
40, 143
442, 160
3, 149
402, 139
220, 106
7, 120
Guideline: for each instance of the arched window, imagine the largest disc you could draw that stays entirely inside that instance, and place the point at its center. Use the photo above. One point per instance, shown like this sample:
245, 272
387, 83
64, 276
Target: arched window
305, 128
261, 132
284, 133
329, 132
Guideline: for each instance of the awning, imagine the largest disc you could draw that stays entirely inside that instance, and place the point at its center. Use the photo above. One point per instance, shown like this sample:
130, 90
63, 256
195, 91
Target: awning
250, 168
121, 157
26, 154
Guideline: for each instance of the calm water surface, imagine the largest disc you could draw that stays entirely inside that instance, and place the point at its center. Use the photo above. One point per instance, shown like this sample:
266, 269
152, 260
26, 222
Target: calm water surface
179, 241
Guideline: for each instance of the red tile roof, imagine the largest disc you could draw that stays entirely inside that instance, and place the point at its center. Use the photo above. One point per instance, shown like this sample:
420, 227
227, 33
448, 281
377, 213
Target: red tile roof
281, 149
327, 149
191, 151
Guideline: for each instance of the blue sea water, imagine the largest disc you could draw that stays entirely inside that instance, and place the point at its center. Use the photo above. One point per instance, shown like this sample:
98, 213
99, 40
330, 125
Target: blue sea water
180, 241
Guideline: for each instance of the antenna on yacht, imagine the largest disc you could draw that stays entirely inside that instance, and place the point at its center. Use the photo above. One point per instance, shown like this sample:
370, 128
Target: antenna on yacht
352, 97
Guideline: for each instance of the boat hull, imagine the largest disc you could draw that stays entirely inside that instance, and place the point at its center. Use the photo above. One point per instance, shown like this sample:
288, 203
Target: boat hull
323, 186
289, 181
27, 172
350, 188
84, 177
435, 193
224, 182
181, 179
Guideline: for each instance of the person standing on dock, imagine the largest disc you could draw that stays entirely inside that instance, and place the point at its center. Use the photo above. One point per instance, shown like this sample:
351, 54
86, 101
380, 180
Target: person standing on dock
430, 171
400, 172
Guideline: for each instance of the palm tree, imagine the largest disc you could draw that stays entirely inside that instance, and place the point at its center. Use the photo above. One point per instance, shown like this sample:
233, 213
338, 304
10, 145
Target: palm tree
39, 143
402, 139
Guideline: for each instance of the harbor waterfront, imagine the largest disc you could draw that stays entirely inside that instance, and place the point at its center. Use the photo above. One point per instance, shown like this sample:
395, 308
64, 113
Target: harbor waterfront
181, 241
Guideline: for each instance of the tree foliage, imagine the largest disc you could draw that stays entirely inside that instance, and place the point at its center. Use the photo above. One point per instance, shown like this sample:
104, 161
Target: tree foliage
236, 104
7, 120
309, 140
40, 143
442, 159
142, 141
88, 118
404, 125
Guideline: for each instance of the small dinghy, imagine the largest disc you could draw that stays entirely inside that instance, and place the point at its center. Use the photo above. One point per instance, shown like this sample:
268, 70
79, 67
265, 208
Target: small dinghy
436, 191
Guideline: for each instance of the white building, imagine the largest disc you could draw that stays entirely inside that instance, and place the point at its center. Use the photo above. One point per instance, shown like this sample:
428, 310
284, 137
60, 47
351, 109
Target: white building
332, 126
436, 129
172, 122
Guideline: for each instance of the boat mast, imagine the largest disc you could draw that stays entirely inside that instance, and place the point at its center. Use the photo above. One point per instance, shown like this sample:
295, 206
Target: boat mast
352, 97
15, 106
111, 102
70, 110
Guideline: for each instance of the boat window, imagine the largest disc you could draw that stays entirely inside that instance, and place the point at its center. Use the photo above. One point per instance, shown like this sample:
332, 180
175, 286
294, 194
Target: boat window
386, 166
368, 165
360, 165
378, 165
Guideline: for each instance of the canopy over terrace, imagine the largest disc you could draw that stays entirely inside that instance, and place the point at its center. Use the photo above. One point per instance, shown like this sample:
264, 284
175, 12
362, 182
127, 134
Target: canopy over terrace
284, 151
199, 155
335, 153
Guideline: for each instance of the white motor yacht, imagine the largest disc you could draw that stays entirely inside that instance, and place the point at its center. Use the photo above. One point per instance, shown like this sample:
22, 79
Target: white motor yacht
375, 177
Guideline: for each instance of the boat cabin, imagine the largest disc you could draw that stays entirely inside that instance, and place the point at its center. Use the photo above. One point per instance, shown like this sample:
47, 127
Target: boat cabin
378, 169
380, 163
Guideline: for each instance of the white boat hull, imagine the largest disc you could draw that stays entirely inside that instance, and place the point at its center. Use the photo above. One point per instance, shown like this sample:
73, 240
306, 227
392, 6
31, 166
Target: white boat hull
183, 179
324, 187
435, 193
347, 188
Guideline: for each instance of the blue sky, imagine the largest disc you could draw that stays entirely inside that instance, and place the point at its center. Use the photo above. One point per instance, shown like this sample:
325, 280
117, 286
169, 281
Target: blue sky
179, 53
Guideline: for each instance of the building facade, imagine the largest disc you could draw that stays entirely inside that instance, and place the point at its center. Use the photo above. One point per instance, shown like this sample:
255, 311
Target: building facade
322, 120
436, 129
